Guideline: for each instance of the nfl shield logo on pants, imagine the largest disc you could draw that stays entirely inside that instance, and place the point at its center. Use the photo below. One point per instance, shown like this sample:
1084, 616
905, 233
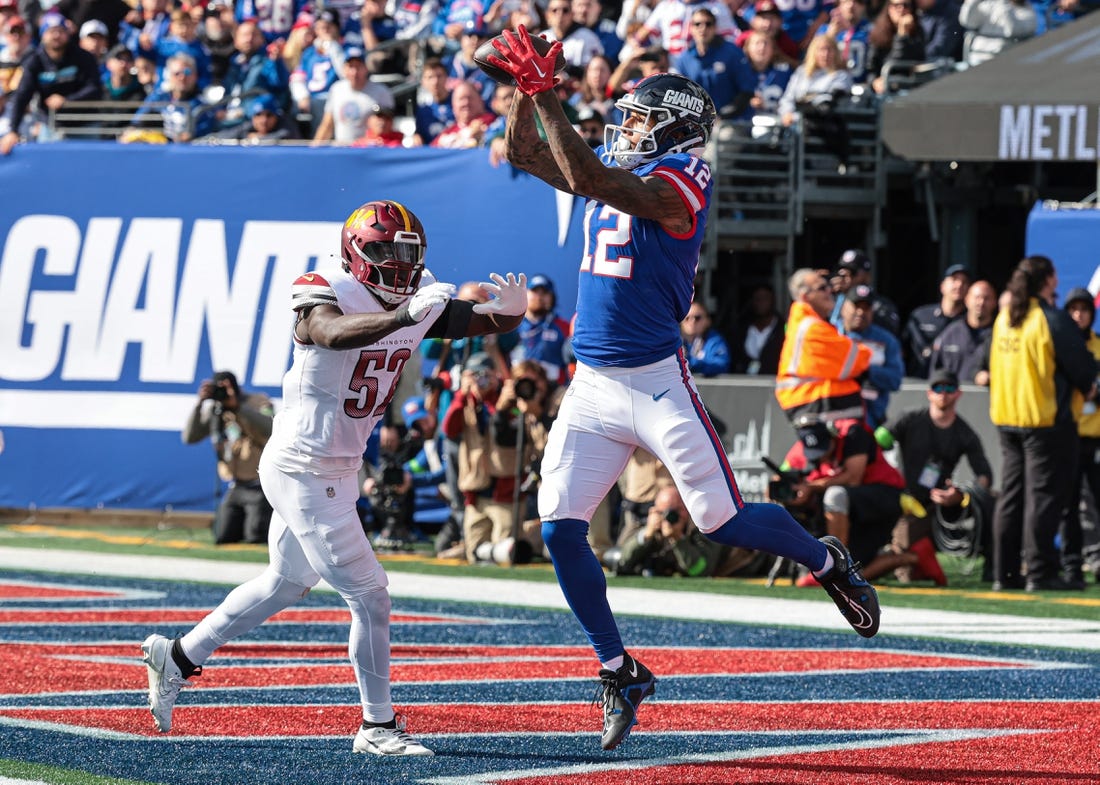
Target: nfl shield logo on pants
331, 492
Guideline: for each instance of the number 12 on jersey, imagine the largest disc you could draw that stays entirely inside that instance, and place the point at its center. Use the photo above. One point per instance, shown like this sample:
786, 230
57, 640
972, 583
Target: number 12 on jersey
612, 237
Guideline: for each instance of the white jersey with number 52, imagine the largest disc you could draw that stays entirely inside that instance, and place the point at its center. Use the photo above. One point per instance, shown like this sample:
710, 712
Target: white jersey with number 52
332, 399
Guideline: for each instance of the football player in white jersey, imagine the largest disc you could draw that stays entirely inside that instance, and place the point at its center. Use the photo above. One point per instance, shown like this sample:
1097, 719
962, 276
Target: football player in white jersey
357, 325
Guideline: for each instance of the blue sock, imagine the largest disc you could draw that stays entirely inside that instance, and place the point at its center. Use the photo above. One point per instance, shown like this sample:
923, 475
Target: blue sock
770, 528
583, 583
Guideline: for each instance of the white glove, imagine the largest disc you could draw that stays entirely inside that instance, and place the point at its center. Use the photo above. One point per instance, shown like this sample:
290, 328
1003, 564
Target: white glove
511, 296
428, 297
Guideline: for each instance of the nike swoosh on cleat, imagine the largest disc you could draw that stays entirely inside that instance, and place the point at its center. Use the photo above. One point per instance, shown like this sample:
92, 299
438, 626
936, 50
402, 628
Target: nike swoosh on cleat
657, 397
634, 665
864, 618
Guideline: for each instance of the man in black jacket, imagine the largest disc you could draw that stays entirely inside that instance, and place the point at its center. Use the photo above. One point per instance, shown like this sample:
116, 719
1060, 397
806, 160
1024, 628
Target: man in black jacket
58, 72
928, 321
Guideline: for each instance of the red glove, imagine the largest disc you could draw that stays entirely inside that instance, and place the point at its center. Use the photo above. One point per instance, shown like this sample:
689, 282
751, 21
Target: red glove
534, 73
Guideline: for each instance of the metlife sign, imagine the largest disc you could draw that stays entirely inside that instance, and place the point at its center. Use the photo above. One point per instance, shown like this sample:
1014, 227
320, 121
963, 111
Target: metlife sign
129, 274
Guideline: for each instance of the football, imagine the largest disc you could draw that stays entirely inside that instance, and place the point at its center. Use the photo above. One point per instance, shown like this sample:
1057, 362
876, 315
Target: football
486, 50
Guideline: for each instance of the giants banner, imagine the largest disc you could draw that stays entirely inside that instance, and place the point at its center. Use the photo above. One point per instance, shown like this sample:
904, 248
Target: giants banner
129, 274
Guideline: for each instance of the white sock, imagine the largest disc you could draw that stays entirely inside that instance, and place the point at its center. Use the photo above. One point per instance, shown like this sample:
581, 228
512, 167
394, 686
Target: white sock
613, 664
828, 565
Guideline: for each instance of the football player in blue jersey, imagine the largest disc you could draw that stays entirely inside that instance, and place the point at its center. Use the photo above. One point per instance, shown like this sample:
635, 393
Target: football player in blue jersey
648, 193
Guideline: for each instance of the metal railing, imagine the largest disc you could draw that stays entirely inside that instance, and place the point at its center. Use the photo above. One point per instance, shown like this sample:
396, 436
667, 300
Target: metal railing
103, 119
840, 160
755, 192
768, 177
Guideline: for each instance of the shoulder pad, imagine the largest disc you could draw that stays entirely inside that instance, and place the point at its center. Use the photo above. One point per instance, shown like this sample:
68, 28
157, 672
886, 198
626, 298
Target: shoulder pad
310, 290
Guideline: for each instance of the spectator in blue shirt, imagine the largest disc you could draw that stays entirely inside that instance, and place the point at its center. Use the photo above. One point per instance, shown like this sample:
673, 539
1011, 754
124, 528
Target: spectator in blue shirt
183, 36
849, 25
718, 65
435, 113
368, 27
319, 68
706, 349
254, 69
148, 32
464, 69
275, 18
771, 73
887, 368
412, 19
542, 333
803, 18
186, 116
453, 19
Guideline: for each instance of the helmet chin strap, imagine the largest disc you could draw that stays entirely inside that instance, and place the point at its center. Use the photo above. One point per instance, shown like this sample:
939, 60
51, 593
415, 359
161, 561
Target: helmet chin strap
389, 300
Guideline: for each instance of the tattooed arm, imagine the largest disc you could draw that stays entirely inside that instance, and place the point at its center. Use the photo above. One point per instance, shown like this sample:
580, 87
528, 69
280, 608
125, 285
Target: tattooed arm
569, 164
525, 149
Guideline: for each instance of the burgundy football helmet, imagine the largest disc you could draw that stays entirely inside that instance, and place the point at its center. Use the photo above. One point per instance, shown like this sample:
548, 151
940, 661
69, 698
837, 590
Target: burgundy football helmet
383, 246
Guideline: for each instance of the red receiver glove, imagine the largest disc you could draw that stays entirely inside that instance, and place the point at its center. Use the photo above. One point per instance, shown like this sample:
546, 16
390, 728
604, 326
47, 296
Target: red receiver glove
534, 73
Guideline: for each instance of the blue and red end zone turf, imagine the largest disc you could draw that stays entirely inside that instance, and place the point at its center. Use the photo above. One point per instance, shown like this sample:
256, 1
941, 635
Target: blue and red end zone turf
503, 695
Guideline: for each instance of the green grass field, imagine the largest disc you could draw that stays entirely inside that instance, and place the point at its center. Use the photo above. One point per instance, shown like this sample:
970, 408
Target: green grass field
965, 591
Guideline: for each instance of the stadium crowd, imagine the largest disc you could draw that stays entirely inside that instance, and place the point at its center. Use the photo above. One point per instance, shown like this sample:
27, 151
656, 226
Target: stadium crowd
401, 72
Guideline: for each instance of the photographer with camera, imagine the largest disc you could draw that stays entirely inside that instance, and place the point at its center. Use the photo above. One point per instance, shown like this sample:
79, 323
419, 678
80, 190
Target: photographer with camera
442, 361
857, 492
238, 425
408, 459
931, 442
670, 544
501, 435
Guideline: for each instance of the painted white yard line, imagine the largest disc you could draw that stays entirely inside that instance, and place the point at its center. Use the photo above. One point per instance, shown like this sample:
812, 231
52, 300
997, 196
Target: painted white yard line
696, 606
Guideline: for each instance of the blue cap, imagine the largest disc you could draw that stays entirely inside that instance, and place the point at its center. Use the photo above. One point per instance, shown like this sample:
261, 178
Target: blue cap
957, 269
540, 282
264, 103
355, 53
48, 20
413, 410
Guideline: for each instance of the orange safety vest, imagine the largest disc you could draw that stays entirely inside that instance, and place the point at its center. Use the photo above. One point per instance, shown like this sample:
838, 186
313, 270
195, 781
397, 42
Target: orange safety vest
818, 368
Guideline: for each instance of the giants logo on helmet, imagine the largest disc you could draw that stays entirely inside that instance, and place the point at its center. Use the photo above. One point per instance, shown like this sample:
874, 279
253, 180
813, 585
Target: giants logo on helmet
692, 103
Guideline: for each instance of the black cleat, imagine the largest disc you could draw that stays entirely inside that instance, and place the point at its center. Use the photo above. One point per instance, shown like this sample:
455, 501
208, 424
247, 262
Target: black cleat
620, 693
856, 598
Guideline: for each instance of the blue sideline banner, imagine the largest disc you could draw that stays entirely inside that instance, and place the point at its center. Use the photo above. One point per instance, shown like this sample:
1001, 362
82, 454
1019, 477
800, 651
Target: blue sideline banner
1070, 236
130, 273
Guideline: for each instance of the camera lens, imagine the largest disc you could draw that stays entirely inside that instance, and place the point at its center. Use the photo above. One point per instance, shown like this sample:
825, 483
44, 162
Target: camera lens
672, 516
526, 389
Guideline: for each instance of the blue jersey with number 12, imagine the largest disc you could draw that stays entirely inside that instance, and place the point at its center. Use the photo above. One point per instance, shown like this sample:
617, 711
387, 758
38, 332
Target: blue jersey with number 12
636, 278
